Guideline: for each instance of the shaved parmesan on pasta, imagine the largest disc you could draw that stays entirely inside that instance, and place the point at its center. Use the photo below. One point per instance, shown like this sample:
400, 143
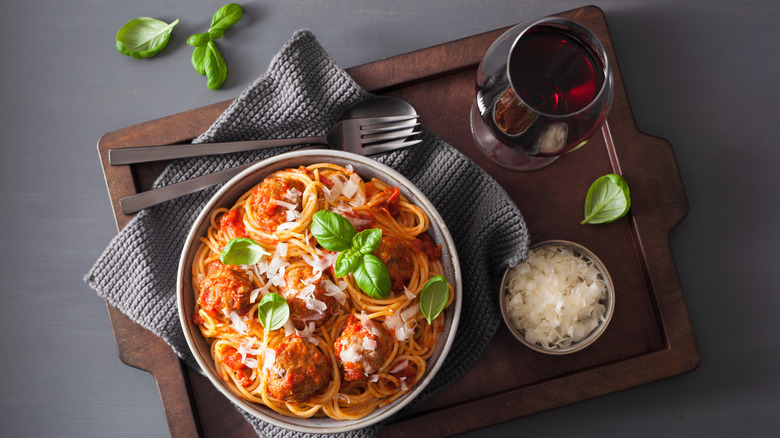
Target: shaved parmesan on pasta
555, 298
274, 269
398, 327
399, 366
312, 303
254, 294
335, 291
289, 328
293, 194
269, 356
286, 226
321, 262
308, 333
286, 205
330, 194
367, 323
410, 312
358, 200
351, 186
369, 344
248, 347
350, 354
238, 324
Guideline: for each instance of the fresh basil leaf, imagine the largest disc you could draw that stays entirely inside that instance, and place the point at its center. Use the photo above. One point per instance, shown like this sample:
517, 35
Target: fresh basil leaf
346, 262
367, 241
332, 230
143, 37
608, 200
372, 277
199, 39
199, 58
434, 297
273, 311
215, 67
226, 17
242, 251
216, 34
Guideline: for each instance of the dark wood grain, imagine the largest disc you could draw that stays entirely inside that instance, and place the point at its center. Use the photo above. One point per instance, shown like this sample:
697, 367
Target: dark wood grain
650, 336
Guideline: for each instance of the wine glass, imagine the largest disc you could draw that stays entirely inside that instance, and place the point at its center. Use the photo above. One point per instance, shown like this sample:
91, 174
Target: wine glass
543, 89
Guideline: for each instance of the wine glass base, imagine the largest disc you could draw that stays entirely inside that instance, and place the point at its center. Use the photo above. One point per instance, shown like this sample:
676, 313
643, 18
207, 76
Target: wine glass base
498, 152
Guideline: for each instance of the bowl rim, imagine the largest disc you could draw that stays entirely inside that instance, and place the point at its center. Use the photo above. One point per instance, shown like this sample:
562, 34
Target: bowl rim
593, 335
292, 159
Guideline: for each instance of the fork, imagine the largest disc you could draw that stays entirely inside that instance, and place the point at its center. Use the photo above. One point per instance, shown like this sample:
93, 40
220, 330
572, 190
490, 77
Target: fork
364, 136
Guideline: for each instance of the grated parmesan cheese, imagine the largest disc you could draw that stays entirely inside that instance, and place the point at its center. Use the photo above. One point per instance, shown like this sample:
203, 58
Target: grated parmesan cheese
351, 186
367, 323
369, 344
350, 354
238, 324
308, 333
293, 194
286, 205
555, 298
410, 311
399, 366
254, 294
335, 291
398, 327
289, 328
269, 357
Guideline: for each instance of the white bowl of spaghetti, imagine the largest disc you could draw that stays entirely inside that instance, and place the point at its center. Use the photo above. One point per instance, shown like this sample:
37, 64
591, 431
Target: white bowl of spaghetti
348, 350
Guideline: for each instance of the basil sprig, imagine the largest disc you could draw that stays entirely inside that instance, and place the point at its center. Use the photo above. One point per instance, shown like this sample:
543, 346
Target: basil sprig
206, 57
273, 311
143, 37
224, 19
434, 297
336, 233
333, 231
608, 200
242, 251
372, 277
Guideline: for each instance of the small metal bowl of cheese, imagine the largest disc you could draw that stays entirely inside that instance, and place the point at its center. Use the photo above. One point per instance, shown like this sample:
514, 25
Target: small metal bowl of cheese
558, 301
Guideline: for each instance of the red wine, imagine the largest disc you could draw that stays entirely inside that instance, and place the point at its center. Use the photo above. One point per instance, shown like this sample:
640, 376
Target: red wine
543, 89
553, 72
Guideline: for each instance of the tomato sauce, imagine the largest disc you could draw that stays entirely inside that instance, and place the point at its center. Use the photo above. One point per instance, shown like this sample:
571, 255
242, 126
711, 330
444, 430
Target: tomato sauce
232, 224
232, 358
426, 244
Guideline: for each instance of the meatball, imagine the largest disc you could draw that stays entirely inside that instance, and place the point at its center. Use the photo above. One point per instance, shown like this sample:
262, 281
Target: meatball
362, 348
307, 299
269, 213
398, 259
299, 370
225, 287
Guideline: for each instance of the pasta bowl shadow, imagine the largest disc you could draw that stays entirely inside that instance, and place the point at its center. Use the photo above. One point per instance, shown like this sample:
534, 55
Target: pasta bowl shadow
227, 196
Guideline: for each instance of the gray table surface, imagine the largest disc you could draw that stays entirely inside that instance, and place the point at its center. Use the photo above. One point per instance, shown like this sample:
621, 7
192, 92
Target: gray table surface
703, 75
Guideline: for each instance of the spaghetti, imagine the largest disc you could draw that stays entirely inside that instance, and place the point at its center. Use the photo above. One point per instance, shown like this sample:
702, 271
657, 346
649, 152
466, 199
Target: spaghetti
341, 353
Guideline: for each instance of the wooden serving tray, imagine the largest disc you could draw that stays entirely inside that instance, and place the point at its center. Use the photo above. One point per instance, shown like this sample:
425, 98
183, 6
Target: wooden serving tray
650, 336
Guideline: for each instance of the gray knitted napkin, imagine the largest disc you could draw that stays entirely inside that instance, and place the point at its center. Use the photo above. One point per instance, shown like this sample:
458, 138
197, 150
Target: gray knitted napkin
301, 94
